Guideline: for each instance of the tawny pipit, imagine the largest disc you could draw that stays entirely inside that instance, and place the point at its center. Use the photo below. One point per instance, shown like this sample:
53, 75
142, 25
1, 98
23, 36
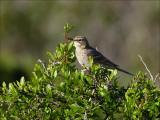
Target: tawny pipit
83, 51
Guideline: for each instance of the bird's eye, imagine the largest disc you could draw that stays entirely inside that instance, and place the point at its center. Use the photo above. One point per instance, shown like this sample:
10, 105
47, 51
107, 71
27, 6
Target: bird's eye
80, 40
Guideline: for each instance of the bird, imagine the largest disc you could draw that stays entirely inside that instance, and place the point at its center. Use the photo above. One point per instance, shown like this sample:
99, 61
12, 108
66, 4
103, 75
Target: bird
83, 51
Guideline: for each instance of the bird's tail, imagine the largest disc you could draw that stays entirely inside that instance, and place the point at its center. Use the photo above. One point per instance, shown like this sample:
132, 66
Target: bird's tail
124, 71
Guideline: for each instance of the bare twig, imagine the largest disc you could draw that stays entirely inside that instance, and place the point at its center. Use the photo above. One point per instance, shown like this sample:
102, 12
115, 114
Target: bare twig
153, 79
9, 107
146, 67
108, 83
156, 77
92, 94
55, 63
40, 61
68, 98
66, 34
85, 117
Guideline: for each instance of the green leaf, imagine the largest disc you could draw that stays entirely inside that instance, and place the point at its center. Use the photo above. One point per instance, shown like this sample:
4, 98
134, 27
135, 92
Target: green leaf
37, 67
55, 73
18, 84
102, 93
75, 107
22, 81
48, 87
71, 27
91, 60
120, 109
11, 87
82, 75
145, 90
66, 27
70, 46
50, 55
89, 80
61, 47
62, 84
4, 84
113, 73
4, 88
76, 74
58, 53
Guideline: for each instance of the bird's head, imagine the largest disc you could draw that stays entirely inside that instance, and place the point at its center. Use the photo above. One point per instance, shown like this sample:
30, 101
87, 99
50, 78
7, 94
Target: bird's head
79, 41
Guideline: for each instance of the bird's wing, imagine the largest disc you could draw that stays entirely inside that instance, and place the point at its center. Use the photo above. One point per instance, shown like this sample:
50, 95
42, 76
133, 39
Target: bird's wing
99, 58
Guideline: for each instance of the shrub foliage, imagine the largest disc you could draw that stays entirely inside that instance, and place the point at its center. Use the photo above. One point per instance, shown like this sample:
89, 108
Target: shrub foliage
59, 91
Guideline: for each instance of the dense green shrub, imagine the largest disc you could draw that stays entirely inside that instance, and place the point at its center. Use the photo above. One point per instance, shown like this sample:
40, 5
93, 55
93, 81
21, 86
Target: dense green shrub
59, 91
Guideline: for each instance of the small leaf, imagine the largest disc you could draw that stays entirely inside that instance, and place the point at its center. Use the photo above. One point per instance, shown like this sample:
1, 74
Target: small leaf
11, 87
66, 27
4, 87
55, 73
82, 75
145, 90
115, 72
88, 78
18, 84
76, 75
62, 84
4, 84
58, 53
74, 107
62, 46
91, 60
103, 94
70, 46
71, 27
50, 55
22, 81
48, 87
120, 109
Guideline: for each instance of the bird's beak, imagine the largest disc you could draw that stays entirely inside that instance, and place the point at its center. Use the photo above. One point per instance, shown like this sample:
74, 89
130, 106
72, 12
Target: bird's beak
70, 39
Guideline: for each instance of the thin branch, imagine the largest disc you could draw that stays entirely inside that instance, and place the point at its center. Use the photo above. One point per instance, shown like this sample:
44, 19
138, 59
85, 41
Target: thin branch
66, 34
40, 61
153, 79
55, 63
9, 107
156, 77
55, 103
146, 67
92, 95
85, 116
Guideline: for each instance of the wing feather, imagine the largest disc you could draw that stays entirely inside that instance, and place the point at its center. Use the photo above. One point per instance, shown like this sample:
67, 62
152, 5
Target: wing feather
99, 58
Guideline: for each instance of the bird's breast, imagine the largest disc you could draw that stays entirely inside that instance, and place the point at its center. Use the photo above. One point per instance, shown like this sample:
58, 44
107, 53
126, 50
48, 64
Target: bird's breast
82, 57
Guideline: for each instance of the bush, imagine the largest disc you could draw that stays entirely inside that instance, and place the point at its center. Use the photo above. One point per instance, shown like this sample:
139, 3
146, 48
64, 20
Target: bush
59, 91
